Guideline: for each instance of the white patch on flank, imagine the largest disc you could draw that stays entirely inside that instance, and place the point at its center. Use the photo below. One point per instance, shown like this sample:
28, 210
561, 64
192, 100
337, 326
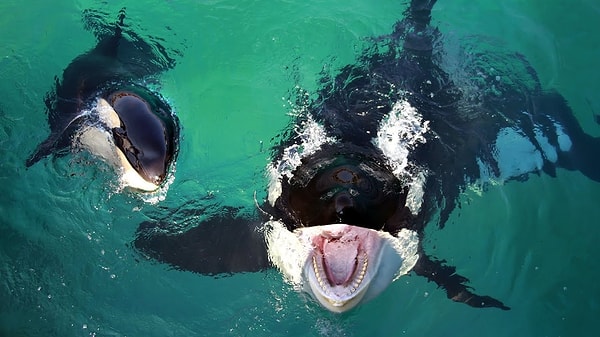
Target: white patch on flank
311, 136
400, 132
564, 141
515, 154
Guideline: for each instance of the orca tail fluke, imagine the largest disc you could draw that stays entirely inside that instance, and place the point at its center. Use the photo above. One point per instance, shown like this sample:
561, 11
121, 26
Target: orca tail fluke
577, 150
586, 156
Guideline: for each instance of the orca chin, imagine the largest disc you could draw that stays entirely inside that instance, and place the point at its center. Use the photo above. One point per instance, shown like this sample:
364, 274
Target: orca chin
341, 265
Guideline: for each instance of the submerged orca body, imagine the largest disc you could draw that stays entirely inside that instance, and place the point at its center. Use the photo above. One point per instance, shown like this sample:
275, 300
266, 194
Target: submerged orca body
385, 149
100, 105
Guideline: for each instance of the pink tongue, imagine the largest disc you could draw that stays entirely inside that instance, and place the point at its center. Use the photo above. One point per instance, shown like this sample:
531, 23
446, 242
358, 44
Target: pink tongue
339, 260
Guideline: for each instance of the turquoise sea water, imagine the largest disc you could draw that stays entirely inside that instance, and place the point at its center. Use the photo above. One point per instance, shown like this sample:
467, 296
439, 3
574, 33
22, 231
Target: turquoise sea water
66, 264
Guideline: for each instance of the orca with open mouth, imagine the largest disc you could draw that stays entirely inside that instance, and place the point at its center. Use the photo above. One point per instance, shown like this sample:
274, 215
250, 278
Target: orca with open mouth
384, 150
102, 105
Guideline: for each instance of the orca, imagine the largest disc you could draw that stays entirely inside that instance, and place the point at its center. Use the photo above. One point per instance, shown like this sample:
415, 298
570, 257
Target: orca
102, 105
382, 152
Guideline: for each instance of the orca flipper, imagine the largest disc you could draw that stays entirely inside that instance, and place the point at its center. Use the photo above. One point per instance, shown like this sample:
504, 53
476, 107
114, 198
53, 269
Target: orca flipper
50, 144
454, 285
223, 244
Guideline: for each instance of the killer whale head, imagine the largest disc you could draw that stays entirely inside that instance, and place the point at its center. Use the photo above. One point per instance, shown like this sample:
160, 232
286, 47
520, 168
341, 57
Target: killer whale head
346, 207
102, 104
138, 135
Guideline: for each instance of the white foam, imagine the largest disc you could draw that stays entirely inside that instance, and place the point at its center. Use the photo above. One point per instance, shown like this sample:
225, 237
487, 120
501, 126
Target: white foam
286, 252
406, 244
400, 132
311, 136
416, 191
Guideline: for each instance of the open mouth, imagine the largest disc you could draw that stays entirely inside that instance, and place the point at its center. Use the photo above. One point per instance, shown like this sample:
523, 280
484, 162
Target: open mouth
347, 265
352, 281
338, 269
341, 265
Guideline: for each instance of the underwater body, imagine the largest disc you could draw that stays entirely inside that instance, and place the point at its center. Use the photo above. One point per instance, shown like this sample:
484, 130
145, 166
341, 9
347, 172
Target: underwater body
273, 281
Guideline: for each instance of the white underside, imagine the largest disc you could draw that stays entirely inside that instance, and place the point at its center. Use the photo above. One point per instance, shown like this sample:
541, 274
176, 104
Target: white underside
98, 141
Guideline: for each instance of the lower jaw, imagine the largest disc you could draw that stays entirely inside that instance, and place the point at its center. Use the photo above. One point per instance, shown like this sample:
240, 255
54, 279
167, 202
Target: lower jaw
335, 304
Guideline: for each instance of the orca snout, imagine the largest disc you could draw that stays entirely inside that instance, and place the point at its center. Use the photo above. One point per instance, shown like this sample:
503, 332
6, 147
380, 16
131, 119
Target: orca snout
346, 208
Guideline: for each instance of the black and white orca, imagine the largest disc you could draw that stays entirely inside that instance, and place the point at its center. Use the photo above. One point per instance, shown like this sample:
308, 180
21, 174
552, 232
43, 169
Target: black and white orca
101, 105
385, 149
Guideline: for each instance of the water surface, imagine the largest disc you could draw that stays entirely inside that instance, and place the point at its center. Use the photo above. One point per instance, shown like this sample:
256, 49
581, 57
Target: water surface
66, 263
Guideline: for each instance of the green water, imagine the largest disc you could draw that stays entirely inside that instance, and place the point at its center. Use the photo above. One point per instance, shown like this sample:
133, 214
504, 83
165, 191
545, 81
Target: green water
66, 265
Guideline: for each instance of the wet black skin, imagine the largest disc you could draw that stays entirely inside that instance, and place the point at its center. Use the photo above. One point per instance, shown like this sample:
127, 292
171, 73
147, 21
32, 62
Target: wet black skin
149, 132
143, 137
350, 182
350, 188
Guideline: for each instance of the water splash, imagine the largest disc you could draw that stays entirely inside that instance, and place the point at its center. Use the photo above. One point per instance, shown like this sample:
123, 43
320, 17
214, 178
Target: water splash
400, 132
310, 136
